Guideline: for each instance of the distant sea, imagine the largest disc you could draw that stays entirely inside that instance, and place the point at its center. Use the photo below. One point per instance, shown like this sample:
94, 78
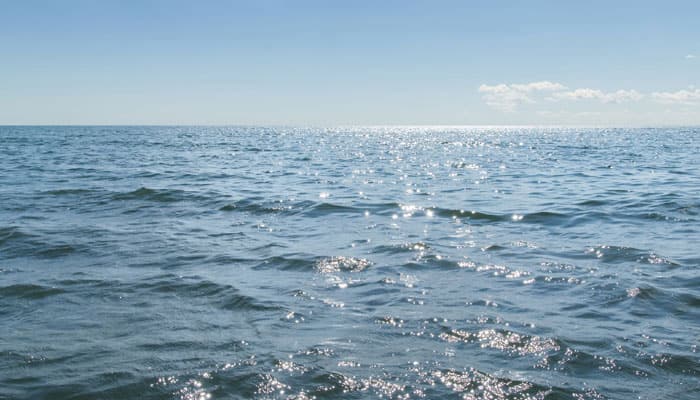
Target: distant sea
361, 262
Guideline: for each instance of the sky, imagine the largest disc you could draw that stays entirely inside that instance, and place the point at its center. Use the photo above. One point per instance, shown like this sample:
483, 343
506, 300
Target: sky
268, 62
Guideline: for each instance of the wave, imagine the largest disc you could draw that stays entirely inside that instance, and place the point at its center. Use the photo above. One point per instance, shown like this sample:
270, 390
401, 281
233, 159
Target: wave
258, 206
156, 195
15, 242
623, 254
225, 297
29, 291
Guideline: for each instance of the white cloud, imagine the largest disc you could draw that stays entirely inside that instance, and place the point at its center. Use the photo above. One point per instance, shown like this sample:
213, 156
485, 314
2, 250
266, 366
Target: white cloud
619, 96
507, 97
503, 97
541, 85
690, 56
686, 97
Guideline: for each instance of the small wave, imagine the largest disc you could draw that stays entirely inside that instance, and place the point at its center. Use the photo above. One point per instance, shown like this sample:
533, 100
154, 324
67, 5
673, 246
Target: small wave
539, 217
471, 215
323, 209
642, 293
94, 283
286, 263
256, 206
409, 247
155, 195
29, 291
593, 203
56, 251
546, 218
17, 243
622, 254
225, 296
68, 192
11, 233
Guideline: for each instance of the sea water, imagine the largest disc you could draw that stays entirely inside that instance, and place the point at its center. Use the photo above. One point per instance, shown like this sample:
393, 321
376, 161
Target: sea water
357, 262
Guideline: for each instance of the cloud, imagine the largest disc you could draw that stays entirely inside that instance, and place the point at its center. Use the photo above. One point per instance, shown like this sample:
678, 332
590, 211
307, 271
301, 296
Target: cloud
685, 97
619, 96
507, 97
541, 85
690, 56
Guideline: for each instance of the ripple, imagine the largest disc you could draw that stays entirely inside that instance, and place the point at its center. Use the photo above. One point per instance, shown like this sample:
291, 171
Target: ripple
69, 192
622, 254
29, 291
348, 262
224, 296
156, 195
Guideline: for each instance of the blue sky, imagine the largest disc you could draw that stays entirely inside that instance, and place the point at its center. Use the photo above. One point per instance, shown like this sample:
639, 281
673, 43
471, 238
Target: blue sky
350, 62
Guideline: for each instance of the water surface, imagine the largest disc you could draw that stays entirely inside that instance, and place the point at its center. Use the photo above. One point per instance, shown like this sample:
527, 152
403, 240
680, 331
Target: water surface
252, 262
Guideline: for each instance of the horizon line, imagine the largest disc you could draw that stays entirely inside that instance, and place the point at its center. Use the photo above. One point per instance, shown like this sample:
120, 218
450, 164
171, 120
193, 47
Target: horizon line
365, 125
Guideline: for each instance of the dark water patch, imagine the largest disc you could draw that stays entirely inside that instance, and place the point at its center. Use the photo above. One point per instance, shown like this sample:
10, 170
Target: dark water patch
430, 261
689, 299
403, 248
546, 218
223, 296
29, 291
256, 206
180, 345
56, 251
287, 263
121, 384
230, 260
593, 203
379, 208
9, 234
651, 362
70, 192
323, 209
154, 195
648, 302
228, 207
268, 247
15, 242
89, 284
471, 215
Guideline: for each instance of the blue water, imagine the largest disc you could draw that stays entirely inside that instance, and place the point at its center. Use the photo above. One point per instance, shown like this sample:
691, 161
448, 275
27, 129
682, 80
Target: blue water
393, 262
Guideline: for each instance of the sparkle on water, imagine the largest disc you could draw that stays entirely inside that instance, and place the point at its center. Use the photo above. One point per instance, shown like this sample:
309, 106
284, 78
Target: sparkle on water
393, 262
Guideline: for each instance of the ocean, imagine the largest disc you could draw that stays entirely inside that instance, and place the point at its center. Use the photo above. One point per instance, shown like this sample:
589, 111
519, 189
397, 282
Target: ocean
354, 262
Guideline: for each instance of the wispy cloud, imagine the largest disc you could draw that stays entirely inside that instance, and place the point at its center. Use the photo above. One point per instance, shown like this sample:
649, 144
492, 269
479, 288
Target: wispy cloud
620, 96
685, 97
689, 56
507, 97
541, 85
